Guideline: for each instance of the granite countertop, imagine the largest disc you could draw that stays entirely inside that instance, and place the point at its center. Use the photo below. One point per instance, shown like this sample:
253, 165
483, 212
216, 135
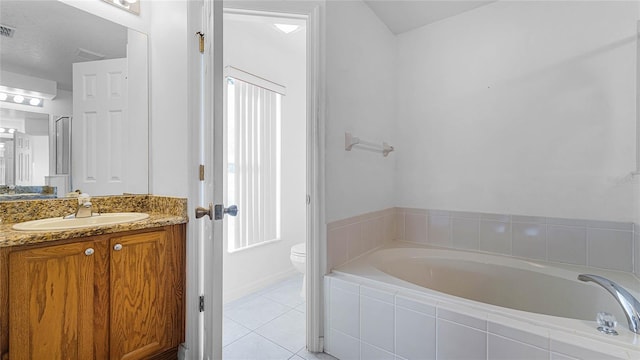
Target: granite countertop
163, 211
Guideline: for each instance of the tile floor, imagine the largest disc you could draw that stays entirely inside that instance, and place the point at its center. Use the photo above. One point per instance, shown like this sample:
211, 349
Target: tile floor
268, 325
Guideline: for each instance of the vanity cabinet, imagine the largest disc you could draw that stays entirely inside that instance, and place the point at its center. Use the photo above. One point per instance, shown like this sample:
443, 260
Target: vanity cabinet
118, 296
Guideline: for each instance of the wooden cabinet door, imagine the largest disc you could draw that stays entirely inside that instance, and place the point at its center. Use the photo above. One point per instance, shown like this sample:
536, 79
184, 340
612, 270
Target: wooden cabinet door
143, 310
51, 303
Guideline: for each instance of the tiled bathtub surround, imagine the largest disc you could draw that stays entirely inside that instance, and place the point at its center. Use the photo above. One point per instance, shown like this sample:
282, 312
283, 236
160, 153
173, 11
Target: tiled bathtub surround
367, 322
601, 244
352, 237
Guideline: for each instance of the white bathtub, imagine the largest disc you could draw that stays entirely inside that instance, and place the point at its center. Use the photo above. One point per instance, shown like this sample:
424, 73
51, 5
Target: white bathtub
522, 309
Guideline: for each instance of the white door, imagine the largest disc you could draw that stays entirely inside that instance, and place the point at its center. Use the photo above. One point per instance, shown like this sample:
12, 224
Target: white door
23, 155
99, 128
211, 147
213, 190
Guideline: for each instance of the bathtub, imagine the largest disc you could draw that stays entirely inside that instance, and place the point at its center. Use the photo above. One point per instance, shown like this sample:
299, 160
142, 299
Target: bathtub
416, 302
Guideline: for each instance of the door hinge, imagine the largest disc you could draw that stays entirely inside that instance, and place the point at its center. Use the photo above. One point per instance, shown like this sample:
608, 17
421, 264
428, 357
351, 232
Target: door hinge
201, 307
201, 173
201, 34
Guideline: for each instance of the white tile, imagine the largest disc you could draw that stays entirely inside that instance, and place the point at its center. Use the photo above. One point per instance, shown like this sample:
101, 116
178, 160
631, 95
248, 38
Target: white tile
345, 311
415, 228
302, 308
519, 335
418, 305
529, 240
305, 354
439, 231
464, 233
296, 357
567, 222
460, 342
496, 217
567, 244
287, 293
495, 236
343, 346
287, 330
464, 319
610, 249
585, 353
436, 212
636, 246
377, 321
415, 335
255, 312
378, 294
612, 225
464, 215
232, 331
370, 352
556, 356
348, 286
254, 347
528, 219
505, 349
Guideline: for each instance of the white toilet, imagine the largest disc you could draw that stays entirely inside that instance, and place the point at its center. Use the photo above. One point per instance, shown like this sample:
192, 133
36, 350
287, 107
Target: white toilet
299, 261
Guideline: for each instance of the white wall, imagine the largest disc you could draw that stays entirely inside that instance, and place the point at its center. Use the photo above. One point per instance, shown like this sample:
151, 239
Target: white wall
360, 98
520, 108
169, 112
262, 50
40, 159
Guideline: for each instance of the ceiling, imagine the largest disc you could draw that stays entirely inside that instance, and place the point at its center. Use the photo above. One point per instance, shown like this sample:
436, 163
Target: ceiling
48, 35
405, 15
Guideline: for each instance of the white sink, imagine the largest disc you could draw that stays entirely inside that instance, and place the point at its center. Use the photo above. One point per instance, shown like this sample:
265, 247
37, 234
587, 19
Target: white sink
77, 223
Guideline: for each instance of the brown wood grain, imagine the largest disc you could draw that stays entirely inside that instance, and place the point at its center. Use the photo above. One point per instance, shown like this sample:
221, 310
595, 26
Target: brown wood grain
51, 303
101, 300
4, 303
152, 292
141, 311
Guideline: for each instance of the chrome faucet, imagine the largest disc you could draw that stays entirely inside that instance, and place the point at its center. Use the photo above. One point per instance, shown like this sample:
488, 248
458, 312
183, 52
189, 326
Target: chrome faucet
630, 305
85, 208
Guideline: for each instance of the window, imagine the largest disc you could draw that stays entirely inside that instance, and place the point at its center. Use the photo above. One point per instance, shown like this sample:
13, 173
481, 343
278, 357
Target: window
253, 156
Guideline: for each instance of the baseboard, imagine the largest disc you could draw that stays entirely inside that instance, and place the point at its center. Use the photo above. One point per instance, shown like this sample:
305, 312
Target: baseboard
256, 285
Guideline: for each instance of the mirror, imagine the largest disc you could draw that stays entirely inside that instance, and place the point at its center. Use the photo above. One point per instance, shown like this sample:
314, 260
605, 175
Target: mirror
90, 120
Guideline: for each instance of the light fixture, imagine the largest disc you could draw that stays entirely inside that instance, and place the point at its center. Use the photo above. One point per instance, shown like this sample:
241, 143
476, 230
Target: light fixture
132, 6
287, 28
11, 131
2, 130
22, 99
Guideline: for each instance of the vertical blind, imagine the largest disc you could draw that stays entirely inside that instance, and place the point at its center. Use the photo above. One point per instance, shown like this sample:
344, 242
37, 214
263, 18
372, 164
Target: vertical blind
253, 163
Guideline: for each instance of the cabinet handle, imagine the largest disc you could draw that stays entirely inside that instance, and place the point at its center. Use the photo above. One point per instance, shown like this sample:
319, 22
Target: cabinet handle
89, 252
117, 247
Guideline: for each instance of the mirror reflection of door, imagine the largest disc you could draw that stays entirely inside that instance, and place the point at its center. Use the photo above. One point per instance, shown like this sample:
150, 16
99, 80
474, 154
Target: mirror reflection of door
63, 145
24, 147
23, 155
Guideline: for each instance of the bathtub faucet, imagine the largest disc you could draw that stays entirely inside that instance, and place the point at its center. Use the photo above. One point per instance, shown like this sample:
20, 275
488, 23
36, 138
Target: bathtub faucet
629, 304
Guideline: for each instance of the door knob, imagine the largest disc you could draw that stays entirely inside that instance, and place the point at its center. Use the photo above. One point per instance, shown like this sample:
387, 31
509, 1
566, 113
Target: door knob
220, 211
200, 212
